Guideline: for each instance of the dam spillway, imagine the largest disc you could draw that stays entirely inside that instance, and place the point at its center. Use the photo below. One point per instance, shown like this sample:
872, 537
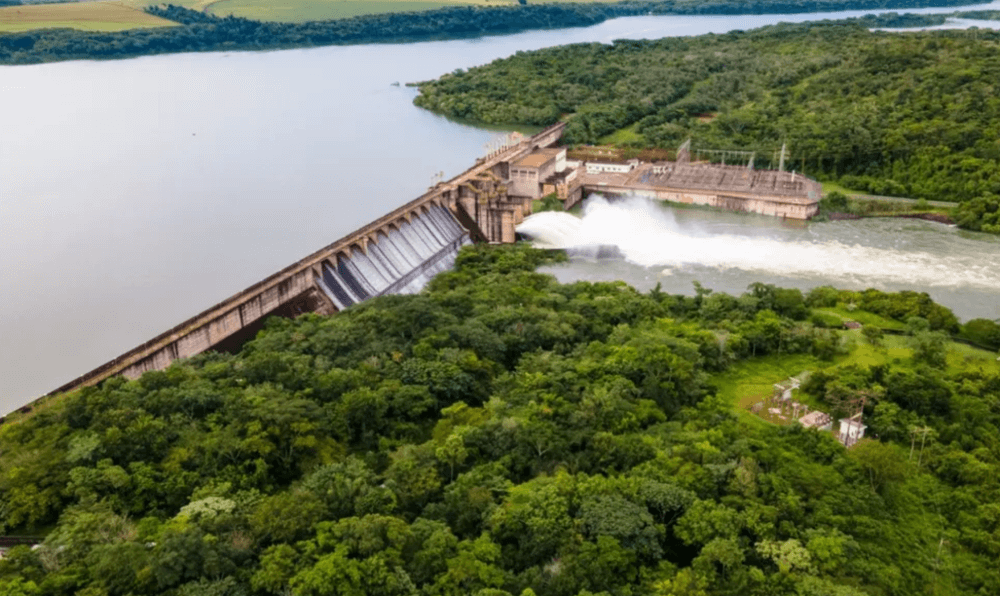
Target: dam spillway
400, 261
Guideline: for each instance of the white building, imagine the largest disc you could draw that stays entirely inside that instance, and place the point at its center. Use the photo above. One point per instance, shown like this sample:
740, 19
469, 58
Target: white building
851, 431
595, 167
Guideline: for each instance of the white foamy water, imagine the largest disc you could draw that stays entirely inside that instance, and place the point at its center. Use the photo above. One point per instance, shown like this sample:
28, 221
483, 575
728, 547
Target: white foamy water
650, 236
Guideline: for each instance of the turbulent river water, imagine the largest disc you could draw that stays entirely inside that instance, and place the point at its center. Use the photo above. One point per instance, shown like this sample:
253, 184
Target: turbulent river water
136, 193
644, 242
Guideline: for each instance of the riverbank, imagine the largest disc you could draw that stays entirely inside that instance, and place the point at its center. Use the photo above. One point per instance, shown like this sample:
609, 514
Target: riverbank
936, 217
201, 32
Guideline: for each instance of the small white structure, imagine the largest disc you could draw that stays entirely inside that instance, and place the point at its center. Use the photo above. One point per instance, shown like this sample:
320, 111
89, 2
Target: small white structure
594, 167
851, 431
785, 389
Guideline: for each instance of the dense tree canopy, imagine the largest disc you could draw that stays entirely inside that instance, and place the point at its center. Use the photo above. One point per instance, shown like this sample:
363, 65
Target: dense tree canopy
891, 113
505, 434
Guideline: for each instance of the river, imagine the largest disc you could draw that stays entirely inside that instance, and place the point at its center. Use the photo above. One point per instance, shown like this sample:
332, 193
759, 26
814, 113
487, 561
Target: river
136, 193
655, 243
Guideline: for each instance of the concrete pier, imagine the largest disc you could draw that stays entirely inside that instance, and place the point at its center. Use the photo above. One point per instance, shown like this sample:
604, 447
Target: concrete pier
733, 188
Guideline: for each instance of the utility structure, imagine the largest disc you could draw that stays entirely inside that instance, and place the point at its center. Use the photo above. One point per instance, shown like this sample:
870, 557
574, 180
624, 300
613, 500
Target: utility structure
922, 432
723, 185
852, 428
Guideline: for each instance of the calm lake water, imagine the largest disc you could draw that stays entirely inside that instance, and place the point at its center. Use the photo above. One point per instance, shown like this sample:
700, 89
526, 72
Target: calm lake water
136, 193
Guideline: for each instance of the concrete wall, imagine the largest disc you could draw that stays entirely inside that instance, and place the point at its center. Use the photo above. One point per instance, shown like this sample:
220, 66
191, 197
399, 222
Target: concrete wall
775, 206
214, 331
618, 168
524, 182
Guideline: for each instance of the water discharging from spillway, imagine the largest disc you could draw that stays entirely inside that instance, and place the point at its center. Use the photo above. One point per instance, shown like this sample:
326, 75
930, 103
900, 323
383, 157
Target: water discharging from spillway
728, 251
401, 262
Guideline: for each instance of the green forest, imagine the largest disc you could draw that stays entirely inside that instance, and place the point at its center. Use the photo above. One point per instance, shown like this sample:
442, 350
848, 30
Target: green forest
908, 114
503, 434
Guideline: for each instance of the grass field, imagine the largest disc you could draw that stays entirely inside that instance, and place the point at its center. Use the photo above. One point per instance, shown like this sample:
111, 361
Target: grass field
128, 14
623, 136
89, 16
746, 382
749, 379
296, 11
861, 316
315, 10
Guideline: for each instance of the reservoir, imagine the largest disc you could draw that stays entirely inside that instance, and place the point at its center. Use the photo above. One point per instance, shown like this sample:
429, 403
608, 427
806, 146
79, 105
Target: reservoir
136, 193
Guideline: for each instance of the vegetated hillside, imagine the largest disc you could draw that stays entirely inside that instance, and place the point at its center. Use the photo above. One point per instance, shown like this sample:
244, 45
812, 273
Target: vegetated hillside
912, 114
204, 32
505, 434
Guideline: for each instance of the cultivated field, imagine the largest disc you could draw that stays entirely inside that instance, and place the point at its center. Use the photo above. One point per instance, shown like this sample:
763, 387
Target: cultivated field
128, 14
89, 16
316, 10
297, 11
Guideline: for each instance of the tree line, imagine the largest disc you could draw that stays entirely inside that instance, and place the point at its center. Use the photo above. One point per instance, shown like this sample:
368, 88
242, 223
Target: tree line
199, 31
909, 114
503, 434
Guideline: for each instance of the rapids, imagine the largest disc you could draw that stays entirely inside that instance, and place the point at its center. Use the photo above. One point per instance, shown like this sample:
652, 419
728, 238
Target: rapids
728, 251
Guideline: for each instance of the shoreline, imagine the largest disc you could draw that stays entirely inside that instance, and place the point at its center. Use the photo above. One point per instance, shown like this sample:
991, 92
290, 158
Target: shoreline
935, 217
200, 32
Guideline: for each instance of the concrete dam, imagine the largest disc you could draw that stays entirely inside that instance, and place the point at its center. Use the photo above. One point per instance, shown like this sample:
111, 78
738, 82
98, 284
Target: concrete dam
395, 254
402, 250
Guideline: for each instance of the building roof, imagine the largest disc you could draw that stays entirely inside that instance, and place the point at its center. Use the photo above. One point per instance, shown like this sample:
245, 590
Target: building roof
719, 177
539, 158
535, 160
815, 418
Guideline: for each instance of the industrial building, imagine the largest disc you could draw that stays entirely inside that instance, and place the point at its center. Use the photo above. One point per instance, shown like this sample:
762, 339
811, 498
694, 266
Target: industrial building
731, 187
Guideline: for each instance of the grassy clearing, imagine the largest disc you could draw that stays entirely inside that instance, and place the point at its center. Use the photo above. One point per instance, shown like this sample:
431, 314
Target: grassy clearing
961, 356
87, 16
747, 382
829, 187
863, 317
623, 136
